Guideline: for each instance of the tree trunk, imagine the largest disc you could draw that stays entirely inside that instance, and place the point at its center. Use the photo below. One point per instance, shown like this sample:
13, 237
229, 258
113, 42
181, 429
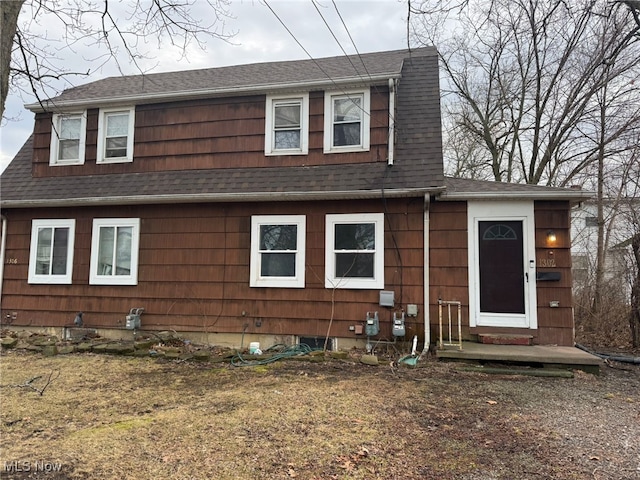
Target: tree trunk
634, 314
9, 11
600, 254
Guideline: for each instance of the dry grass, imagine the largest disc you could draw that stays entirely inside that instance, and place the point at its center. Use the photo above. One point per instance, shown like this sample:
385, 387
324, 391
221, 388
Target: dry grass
110, 417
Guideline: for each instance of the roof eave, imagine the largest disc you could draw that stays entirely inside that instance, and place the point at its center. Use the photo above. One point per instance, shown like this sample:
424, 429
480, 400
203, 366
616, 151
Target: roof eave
53, 104
221, 198
570, 195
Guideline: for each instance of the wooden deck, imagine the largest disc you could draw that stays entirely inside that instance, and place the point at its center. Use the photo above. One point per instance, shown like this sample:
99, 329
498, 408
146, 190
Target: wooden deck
537, 355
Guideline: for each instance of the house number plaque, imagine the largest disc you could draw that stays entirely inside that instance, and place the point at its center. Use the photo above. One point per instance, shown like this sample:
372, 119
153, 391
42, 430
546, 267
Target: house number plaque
546, 262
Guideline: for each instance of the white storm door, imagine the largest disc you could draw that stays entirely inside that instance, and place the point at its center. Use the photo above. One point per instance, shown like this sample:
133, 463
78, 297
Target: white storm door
502, 286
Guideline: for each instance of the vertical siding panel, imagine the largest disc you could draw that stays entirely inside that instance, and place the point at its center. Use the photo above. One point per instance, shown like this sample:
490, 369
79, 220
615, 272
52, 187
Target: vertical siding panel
448, 259
556, 325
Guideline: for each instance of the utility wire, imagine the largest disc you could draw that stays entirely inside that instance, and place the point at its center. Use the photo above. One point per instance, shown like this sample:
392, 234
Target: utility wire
350, 38
391, 115
315, 61
336, 38
298, 42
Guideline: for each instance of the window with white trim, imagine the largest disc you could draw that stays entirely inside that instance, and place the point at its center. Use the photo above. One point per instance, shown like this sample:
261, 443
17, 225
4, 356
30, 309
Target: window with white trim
346, 121
68, 134
51, 254
115, 135
114, 251
277, 251
287, 125
354, 251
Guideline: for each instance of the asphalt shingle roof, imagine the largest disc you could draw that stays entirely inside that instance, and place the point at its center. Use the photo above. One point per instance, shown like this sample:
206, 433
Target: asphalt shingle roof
244, 77
19, 188
464, 188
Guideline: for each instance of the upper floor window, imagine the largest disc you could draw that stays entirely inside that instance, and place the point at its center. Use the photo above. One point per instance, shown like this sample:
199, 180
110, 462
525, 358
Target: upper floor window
277, 251
591, 221
354, 251
51, 254
287, 125
114, 251
68, 134
346, 121
115, 135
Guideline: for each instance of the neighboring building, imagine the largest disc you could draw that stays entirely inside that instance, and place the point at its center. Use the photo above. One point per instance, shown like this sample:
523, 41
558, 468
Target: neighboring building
279, 201
618, 231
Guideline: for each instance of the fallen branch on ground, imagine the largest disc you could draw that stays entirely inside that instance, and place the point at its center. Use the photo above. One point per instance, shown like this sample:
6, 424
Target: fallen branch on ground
29, 383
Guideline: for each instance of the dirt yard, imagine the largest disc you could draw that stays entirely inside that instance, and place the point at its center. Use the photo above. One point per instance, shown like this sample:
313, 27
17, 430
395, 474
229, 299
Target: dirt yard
112, 417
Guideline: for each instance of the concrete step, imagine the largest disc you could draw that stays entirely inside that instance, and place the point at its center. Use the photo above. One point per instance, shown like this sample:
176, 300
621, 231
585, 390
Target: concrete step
504, 339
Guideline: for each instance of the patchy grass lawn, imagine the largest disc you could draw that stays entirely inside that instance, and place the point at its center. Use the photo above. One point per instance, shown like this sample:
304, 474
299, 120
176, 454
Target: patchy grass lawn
108, 417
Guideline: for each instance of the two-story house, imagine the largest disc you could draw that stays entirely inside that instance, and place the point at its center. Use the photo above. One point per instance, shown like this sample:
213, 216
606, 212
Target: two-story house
278, 201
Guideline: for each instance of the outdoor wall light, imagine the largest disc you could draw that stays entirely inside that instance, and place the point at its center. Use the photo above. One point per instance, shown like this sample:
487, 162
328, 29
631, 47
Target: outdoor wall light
551, 238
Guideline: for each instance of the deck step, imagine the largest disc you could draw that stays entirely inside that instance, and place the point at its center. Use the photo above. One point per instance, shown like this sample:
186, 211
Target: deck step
504, 339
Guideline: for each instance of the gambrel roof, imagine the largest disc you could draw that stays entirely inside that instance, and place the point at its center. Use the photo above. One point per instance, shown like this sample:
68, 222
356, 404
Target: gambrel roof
417, 168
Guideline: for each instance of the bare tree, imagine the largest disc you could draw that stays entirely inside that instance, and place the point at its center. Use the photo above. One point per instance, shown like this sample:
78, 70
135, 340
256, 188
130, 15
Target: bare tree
523, 78
33, 58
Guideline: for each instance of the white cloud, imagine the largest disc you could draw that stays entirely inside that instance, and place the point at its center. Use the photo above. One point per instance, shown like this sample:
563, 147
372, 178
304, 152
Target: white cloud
373, 25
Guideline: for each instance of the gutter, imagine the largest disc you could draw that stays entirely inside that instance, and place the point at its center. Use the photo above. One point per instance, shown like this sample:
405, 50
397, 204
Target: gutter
3, 246
159, 97
219, 198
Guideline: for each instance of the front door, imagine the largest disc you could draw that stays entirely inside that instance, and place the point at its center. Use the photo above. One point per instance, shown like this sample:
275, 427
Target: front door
502, 288
501, 266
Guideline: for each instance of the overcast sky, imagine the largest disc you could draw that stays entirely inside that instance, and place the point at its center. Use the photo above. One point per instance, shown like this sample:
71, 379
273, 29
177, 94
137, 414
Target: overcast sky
374, 25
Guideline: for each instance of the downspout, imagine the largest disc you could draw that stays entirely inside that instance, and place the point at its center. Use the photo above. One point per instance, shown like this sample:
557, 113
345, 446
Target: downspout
427, 327
392, 112
2, 252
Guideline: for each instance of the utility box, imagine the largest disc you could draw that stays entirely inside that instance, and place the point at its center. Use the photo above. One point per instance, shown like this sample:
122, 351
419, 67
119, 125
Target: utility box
412, 310
132, 321
372, 325
398, 329
387, 298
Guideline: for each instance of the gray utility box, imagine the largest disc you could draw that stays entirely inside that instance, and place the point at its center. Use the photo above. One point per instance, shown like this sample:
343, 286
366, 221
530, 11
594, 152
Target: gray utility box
132, 321
387, 298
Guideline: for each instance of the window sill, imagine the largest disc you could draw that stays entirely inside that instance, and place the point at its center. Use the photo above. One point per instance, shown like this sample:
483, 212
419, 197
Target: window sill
114, 160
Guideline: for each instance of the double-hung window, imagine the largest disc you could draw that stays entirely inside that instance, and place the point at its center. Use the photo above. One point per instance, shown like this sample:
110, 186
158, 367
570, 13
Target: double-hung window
114, 251
115, 135
51, 254
354, 251
287, 125
346, 121
68, 135
277, 251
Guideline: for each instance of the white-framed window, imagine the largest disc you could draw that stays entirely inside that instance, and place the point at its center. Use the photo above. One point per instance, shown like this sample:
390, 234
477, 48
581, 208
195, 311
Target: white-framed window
114, 251
277, 251
287, 125
68, 134
354, 251
51, 254
346, 121
115, 135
